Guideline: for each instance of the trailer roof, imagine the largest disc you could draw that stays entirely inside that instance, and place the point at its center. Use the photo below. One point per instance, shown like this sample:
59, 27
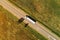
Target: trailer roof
31, 18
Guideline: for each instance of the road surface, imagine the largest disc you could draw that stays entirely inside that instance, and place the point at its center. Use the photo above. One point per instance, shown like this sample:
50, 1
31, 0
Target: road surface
20, 13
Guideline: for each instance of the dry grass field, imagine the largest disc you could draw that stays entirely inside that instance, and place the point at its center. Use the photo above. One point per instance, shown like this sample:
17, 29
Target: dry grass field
46, 12
11, 30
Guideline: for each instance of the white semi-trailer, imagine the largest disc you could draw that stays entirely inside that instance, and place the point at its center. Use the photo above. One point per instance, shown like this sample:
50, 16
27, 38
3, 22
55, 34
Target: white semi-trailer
30, 19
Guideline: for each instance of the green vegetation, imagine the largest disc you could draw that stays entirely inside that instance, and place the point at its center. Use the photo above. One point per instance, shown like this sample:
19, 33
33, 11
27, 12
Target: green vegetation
11, 30
46, 12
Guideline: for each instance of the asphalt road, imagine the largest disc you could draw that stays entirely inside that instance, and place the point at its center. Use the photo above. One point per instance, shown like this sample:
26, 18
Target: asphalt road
20, 13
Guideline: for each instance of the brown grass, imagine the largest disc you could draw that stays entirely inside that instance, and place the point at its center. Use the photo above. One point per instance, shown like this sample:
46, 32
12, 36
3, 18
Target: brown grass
10, 30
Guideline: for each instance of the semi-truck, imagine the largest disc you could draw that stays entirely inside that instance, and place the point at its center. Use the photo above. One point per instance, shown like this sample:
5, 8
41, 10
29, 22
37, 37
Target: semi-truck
32, 20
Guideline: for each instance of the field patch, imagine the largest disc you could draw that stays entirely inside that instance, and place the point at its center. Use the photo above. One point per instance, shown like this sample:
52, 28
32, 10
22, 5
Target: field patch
11, 30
